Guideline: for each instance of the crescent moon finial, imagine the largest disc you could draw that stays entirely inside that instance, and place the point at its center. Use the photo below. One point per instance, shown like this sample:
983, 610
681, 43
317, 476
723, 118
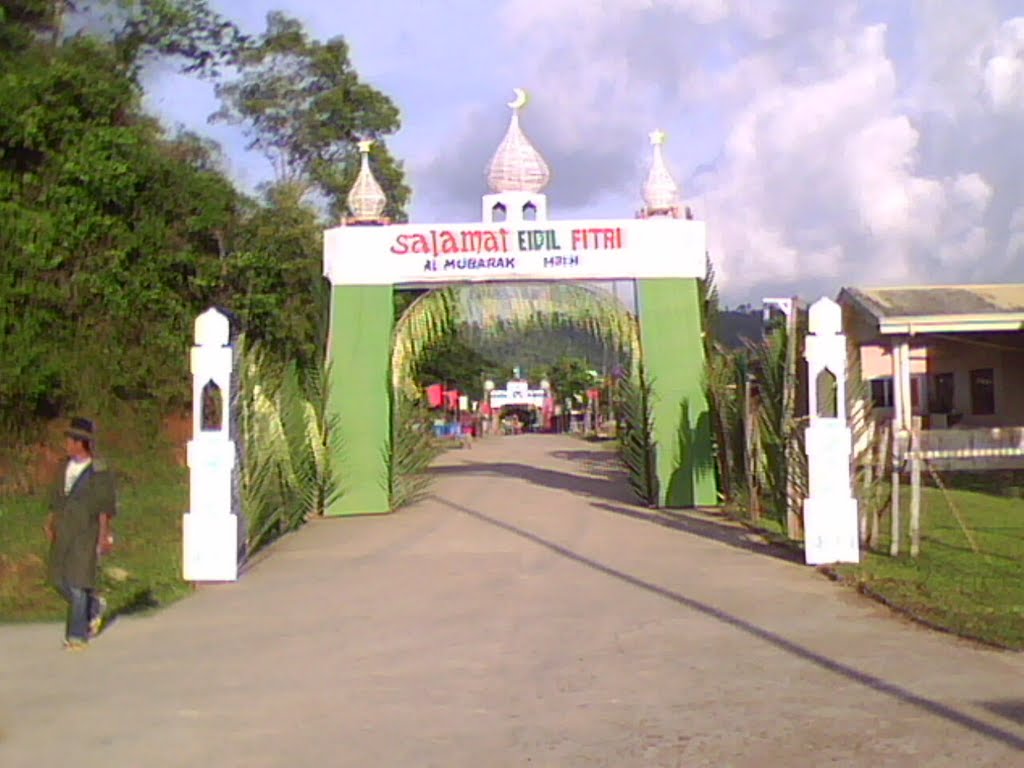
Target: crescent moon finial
520, 99
657, 137
364, 146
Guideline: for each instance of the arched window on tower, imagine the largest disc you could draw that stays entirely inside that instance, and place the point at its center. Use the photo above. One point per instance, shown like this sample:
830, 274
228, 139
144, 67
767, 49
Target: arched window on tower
828, 394
529, 212
499, 212
212, 414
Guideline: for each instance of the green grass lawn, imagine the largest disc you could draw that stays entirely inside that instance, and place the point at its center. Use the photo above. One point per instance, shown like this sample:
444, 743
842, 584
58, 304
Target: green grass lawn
977, 595
153, 493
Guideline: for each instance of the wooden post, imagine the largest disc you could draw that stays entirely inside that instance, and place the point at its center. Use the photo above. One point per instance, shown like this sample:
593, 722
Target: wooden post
894, 544
915, 495
866, 461
896, 362
882, 458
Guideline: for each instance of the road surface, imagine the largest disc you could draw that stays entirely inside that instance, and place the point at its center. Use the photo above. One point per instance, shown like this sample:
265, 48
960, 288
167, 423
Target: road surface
526, 614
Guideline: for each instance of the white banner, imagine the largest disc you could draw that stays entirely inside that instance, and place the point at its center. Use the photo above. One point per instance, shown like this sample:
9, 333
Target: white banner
535, 250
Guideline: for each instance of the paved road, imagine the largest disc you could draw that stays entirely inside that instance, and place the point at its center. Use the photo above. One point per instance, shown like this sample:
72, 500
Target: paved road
527, 614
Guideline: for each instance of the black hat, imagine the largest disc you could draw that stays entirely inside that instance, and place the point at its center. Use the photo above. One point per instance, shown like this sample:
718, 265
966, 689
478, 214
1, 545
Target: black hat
81, 429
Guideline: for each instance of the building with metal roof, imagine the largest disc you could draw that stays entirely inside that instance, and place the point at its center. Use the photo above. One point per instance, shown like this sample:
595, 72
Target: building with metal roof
940, 356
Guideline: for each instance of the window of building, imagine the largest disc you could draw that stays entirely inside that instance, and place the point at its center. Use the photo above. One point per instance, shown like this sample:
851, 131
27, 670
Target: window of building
983, 392
943, 390
881, 392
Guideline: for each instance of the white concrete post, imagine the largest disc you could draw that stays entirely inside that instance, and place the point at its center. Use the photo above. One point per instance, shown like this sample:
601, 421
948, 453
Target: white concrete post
830, 510
209, 529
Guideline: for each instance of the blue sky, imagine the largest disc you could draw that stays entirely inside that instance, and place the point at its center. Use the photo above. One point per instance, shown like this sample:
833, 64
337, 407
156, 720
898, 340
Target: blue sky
851, 142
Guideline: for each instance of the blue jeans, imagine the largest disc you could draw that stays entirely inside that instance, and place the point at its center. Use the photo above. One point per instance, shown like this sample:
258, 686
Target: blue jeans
83, 607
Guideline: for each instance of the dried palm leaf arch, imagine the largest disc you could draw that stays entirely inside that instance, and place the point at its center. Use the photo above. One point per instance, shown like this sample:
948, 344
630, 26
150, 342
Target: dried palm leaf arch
516, 244
496, 307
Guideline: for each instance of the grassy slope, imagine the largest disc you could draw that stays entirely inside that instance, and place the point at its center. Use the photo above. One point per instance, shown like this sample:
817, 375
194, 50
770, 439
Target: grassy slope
949, 586
976, 595
154, 494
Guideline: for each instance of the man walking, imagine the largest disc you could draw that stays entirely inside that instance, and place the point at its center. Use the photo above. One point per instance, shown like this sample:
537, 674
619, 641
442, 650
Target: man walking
84, 504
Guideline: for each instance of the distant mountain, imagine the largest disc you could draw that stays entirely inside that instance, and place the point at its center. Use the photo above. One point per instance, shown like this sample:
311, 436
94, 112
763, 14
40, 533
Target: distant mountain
735, 325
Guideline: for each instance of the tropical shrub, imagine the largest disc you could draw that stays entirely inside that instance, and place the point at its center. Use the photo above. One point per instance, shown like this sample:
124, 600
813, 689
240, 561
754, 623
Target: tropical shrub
636, 436
288, 438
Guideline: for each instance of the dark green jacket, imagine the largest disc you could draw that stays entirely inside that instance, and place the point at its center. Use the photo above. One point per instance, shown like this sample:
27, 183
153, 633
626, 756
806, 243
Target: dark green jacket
76, 517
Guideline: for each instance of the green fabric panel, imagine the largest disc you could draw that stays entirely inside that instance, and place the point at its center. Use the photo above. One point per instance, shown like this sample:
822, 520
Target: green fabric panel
362, 319
673, 353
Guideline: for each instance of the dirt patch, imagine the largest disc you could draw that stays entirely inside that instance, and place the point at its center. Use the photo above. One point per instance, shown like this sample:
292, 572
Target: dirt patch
29, 468
28, 566
25, 469
178, 430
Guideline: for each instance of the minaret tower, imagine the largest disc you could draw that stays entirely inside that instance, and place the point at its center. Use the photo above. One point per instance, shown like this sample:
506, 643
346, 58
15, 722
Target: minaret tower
366, 199
661, 194
516, 175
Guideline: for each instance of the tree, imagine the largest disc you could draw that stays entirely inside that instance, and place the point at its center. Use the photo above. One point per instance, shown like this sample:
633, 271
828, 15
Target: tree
202, 40
111, 234
305, 108
23, 23
273, 279
114, 235
570, 379
453, 362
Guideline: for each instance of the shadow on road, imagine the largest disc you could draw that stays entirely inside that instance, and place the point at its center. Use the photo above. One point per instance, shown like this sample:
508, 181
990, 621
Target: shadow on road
723, 532
873, 682
602, 479
1011, 709
596, 486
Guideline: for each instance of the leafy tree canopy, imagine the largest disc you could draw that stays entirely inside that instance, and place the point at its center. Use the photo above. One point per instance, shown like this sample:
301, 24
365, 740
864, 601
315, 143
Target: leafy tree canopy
570, 379
305, 108
115, 234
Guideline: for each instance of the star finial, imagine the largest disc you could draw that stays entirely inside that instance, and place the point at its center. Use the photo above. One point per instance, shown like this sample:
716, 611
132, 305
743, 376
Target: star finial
660, 191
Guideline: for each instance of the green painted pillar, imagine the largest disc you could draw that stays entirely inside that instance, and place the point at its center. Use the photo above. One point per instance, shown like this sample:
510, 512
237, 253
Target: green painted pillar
673, 354
359, 397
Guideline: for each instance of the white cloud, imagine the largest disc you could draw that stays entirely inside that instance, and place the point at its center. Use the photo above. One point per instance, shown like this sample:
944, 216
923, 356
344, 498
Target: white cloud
1004, 71
850, 144
826, 143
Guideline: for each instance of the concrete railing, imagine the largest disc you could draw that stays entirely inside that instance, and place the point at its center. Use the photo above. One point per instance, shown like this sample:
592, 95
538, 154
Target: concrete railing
969, 449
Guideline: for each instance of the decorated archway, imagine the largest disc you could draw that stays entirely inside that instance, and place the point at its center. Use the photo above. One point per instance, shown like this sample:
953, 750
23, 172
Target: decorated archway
660, 254
495, 307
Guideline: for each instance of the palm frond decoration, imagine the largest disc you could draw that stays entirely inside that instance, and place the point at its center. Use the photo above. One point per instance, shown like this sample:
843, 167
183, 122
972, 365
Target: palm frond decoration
768, 359
725, 385
490, 309
286, 476
636, 436
413, 449
494, 308
870, 486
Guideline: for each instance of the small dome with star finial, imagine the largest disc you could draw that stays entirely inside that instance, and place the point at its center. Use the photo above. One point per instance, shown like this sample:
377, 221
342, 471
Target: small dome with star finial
661, 194
516, 165
366, 199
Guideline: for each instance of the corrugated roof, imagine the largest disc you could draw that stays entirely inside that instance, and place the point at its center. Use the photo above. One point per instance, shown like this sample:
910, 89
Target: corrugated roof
941, 300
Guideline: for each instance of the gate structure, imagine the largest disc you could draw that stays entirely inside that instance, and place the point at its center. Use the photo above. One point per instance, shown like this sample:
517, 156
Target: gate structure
366, 258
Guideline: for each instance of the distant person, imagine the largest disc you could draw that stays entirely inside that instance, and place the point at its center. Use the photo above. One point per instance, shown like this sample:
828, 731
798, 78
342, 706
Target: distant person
79, 528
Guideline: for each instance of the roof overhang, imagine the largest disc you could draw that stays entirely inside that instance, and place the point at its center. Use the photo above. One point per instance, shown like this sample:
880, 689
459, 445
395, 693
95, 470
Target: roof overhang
920, 324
